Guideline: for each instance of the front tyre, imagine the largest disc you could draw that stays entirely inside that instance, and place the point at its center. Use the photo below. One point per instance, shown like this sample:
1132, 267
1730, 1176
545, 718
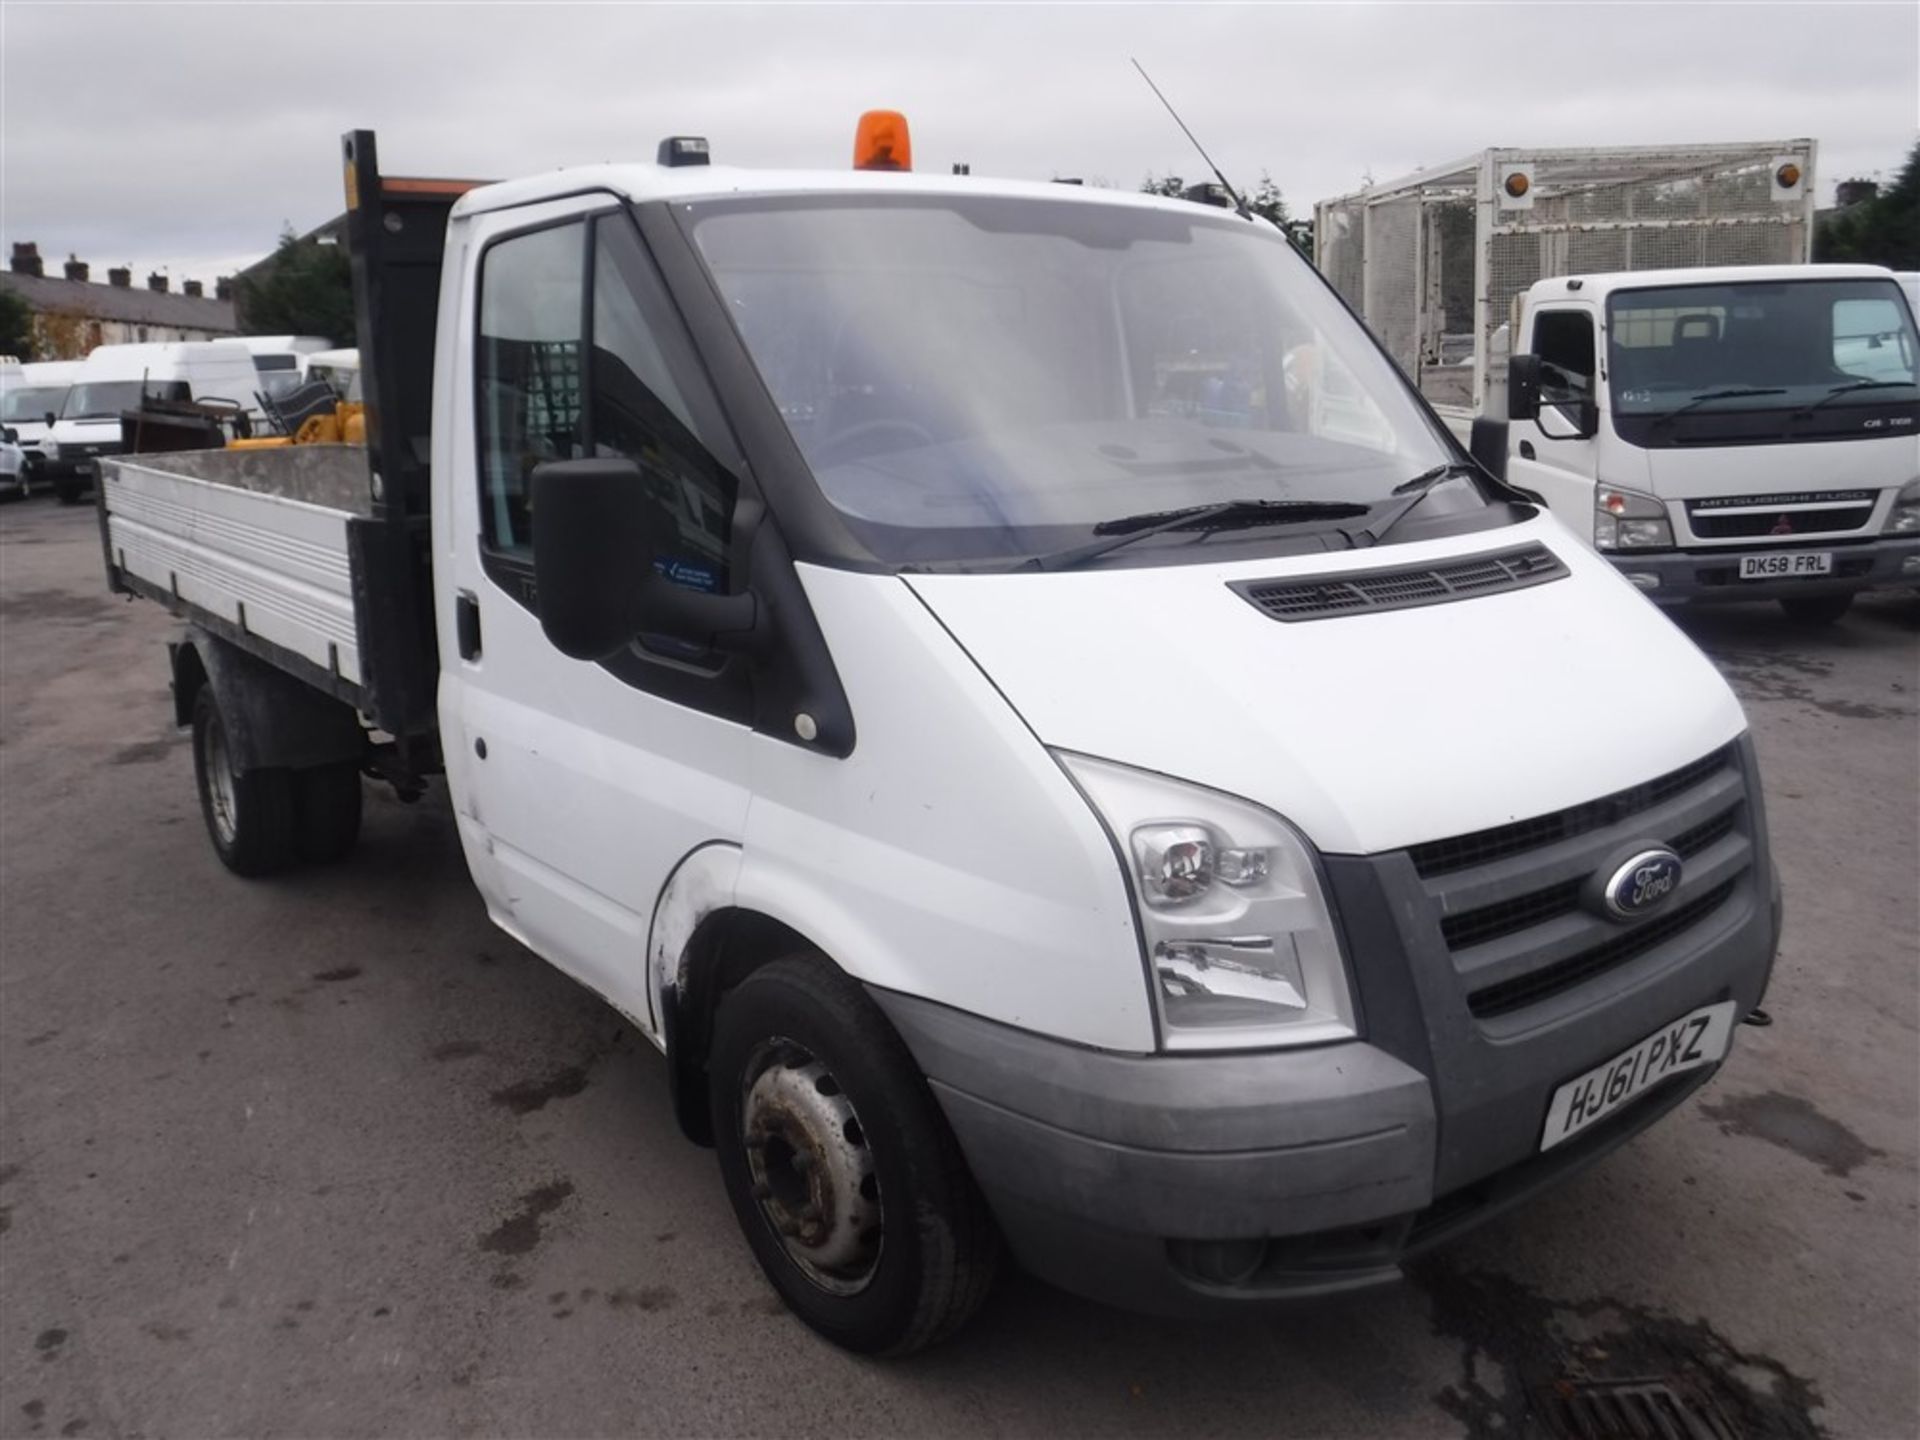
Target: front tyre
249, 813
840, 1167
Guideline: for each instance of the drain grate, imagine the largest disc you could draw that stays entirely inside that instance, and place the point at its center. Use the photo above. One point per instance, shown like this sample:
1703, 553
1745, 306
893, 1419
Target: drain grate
1631, 1410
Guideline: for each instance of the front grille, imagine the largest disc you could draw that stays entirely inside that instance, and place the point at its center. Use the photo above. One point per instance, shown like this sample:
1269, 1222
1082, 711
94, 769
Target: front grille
1529, 989
1799, 522
1509, 901
1440, 857
1401, 587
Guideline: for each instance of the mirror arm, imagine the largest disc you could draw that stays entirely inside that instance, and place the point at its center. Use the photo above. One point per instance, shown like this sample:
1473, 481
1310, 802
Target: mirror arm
725, 622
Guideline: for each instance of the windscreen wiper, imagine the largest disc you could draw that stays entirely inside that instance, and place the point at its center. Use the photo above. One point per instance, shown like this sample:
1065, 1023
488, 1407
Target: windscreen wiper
1228, 514
1737, 393
1416, 490
1846, 389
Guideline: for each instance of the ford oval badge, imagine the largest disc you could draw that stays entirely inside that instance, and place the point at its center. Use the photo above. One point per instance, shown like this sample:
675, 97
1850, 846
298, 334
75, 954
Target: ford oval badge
1641, 885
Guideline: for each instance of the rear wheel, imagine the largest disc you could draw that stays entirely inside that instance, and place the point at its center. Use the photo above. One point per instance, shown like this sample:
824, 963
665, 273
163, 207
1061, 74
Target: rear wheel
327, 809
1816, 609
249, 813
71, 488
839, 1164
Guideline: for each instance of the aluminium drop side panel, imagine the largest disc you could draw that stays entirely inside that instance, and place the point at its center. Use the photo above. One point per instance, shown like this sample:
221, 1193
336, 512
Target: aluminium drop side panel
267, 573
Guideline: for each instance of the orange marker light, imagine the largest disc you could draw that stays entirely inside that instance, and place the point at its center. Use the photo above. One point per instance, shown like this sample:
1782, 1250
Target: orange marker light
881, 142
1787, 176
1517, 184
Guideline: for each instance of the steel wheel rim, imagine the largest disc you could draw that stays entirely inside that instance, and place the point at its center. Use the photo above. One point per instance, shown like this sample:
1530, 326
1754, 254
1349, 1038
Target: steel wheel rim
222, 802
810, 1168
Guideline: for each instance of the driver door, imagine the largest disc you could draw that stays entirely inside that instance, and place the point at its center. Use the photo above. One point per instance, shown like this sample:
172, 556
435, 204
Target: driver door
1562, 468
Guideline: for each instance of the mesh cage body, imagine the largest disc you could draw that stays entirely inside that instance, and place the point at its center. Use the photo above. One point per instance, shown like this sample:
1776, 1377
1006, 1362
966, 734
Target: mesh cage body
1434, 262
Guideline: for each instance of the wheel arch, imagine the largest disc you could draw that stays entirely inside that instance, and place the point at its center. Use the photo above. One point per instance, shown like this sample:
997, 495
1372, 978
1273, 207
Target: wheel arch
272, 719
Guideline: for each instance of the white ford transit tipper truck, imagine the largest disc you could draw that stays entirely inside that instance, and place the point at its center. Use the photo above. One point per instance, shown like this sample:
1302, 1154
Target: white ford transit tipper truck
904, 643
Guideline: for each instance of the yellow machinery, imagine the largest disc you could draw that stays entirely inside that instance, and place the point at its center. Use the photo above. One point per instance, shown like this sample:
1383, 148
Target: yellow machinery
345, 424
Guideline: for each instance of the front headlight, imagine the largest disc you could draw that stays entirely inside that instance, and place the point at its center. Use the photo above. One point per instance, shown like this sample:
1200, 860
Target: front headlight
1240, 941
1904, 518
1623, 520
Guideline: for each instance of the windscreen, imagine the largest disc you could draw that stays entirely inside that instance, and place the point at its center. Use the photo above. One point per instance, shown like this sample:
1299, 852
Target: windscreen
105, 399
30, 402
992, 376
1732, 350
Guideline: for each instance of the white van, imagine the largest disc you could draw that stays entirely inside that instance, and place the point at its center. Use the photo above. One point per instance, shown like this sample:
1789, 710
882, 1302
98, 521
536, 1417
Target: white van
28, 395
282, 359
339, 368
114, 378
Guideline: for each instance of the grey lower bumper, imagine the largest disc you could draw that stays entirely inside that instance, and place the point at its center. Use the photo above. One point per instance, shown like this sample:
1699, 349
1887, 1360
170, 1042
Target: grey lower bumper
1714, 575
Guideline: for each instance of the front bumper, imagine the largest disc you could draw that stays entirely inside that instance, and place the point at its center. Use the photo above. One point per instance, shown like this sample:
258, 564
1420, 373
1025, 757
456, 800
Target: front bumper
1185, 1184
1671, 577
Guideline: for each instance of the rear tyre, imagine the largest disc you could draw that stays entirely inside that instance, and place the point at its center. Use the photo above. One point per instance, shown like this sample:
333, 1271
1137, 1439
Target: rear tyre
71, 488
249, 813
841, 1169
1816, 609
327, 810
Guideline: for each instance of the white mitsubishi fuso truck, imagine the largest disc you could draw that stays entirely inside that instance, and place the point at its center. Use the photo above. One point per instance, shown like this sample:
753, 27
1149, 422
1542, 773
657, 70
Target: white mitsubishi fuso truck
1719, 418
1042, 785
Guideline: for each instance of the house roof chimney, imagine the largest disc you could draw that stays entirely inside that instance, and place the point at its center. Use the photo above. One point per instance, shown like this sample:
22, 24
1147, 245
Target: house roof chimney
1853, 192
223, 287
121, 277
76, 268
190, 287
156, 282
26, 258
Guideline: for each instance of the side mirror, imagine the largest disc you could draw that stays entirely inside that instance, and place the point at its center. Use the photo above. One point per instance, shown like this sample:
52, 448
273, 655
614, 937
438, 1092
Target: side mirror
1523, 387
9, 434
597, 528
52, 419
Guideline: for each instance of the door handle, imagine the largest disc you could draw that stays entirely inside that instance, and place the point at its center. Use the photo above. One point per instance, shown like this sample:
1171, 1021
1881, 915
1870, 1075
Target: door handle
466, 624
1526, 450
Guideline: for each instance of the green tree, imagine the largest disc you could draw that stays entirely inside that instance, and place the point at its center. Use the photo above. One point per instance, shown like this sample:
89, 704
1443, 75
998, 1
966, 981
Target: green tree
1882, 231
305, 289
16, 326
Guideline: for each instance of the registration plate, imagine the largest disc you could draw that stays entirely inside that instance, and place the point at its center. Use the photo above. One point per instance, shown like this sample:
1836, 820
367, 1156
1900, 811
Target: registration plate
1693, 1040
1775, 567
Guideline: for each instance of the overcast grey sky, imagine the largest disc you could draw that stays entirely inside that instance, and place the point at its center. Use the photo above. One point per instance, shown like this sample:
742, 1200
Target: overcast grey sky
185, 135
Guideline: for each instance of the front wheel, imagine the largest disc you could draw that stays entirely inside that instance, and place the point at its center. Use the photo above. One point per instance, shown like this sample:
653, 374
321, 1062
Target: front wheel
840, 1167
1816, 609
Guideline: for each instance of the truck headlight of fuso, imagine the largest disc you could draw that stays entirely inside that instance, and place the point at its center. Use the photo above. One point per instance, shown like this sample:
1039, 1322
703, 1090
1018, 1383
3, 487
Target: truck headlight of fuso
1623, 520
1240, 941
1904, 518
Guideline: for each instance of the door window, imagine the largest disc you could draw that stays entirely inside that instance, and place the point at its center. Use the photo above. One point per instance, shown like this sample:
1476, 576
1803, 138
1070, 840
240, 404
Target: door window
581, 354
1870, 340
647, 404
531, 292
1563, 339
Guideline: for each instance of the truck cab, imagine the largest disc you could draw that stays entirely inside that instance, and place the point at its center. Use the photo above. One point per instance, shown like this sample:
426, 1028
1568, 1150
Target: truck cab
1736, 433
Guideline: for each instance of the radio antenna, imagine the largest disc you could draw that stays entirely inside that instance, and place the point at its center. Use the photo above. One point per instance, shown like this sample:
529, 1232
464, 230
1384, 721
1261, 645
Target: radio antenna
1239, 201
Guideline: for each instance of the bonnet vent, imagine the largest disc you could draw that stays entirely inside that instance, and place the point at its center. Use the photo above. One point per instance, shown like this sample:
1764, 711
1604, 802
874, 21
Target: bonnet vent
1402, 587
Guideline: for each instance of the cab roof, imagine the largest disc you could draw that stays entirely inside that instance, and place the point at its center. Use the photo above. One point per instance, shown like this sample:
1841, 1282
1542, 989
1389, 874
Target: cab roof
643, 182
1597, 287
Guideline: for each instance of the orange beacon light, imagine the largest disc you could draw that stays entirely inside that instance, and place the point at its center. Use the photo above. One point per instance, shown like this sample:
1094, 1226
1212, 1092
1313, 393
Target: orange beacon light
881, 142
